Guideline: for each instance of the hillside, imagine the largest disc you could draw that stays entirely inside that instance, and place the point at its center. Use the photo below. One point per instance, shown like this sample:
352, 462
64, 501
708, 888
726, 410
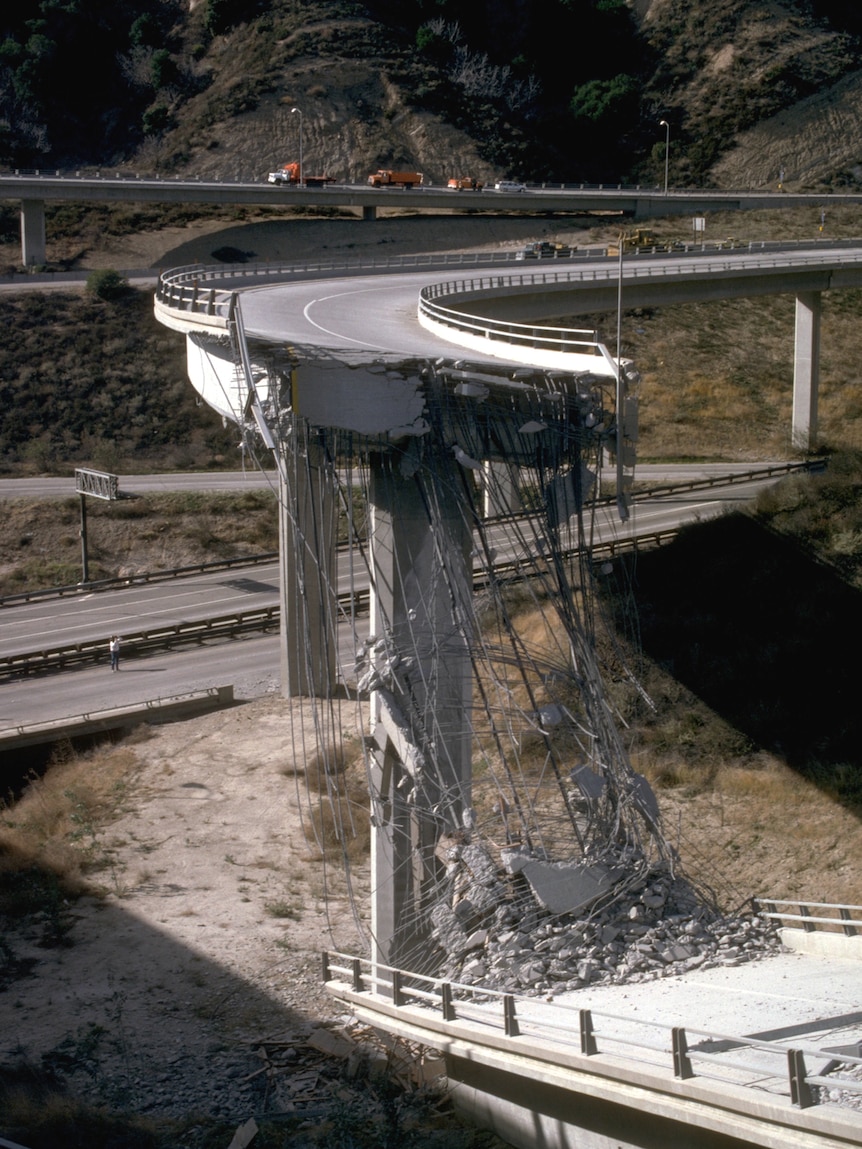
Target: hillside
490, 89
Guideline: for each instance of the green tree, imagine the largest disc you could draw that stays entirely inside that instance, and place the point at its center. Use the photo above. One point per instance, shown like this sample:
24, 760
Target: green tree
606, 102
107, 284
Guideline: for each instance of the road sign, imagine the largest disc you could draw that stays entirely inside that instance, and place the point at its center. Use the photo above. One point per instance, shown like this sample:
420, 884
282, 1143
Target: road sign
99, 484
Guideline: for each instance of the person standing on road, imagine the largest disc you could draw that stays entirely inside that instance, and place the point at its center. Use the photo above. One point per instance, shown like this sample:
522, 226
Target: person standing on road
114, 647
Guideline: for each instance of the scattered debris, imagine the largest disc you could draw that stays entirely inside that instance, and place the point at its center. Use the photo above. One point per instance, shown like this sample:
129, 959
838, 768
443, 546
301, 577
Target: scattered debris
244, 1135
530, 926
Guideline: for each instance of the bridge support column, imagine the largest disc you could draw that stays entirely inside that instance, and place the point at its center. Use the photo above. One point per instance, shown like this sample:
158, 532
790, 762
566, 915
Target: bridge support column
33, 250
421, 705
806, 370
307, 558
369, 211
500, 491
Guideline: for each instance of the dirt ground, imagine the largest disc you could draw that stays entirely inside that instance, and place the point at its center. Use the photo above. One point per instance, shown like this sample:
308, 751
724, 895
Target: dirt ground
298, 237
205, 942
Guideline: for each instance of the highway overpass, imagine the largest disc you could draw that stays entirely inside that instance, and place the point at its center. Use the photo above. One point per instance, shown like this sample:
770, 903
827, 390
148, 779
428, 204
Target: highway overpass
493, 307
32, 189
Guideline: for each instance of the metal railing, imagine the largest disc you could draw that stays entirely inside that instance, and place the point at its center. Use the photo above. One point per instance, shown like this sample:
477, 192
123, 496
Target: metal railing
204, 290
546, 1029
120, 582
810, 916
143, 642
571, 340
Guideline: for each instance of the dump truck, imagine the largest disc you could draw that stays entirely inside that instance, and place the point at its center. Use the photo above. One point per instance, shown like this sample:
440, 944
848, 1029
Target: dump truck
386, 178
465, 183
291, 175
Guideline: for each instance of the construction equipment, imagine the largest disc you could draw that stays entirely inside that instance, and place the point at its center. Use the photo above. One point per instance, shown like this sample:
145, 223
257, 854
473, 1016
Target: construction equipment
386, 178
640, 239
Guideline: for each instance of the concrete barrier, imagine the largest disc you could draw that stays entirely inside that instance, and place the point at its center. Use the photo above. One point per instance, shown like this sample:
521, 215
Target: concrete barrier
154, 712
818, 943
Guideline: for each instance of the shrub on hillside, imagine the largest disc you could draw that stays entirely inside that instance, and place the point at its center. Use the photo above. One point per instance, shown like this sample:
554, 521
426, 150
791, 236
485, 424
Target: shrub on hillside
107, 284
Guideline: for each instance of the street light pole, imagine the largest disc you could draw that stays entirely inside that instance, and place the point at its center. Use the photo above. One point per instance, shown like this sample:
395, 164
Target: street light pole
301, 170
664, 124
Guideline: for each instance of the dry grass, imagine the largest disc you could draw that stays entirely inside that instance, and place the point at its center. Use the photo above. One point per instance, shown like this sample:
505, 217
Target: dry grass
39, 543
59, 821
337, 822
718, 377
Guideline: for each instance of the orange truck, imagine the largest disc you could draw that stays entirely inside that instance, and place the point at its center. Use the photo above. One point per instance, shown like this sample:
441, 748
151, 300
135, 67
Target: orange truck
465, 183
291, 174
385, 178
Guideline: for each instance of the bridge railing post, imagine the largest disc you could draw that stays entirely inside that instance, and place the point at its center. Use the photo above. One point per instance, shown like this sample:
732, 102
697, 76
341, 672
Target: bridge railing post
447, 1005
510, 1018
681, 1060
588, 1034
800, 1090
397, 992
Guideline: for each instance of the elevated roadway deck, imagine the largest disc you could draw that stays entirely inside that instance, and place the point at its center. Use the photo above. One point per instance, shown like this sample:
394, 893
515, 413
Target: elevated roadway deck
722, 1057
34, 188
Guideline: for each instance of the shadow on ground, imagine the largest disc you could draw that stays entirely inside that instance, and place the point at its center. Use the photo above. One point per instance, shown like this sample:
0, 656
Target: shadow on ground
296, 238
765, 636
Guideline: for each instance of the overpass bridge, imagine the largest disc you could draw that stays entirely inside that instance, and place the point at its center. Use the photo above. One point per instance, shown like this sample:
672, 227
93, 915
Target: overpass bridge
431, 377
491, 305
34, 188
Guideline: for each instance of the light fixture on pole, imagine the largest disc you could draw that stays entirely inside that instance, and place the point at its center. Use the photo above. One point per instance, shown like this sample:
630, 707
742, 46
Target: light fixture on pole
664, 124
301, 171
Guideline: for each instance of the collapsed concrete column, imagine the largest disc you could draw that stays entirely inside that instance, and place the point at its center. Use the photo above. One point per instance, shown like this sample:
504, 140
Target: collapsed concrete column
806, 370
500, 490
33, 251
308, 566
421, 547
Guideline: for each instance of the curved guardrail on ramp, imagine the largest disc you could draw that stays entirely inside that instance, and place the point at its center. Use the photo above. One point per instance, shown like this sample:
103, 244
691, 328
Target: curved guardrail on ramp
658, 1079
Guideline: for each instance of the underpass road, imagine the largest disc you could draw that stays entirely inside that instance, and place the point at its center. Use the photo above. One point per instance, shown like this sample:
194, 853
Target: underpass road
84, 617
89, 616
251, 664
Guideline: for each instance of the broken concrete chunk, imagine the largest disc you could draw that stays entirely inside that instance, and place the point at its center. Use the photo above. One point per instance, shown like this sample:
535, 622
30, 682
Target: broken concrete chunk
244, 1135
566, 889
331, 1043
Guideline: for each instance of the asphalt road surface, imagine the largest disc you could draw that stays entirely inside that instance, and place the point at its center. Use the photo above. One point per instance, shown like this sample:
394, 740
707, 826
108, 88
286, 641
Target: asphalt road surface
250, 664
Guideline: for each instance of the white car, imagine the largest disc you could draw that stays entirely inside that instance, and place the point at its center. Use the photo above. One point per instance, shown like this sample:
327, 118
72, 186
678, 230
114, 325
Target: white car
509, 186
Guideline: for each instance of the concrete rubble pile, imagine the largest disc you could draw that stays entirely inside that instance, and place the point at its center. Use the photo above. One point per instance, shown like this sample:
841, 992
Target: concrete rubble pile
848, 1099
530, 926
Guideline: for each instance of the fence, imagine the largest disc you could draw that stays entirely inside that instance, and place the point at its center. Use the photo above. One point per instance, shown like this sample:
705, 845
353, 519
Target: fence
809, 917
548, 1030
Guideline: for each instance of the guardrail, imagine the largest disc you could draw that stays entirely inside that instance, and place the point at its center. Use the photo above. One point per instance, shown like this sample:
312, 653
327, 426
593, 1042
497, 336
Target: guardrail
570, 340
118, 582
808, 915
142, 642
263, 618
549, 1029
185, 288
